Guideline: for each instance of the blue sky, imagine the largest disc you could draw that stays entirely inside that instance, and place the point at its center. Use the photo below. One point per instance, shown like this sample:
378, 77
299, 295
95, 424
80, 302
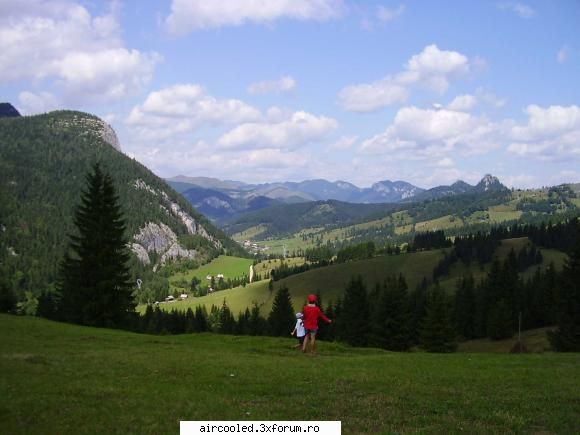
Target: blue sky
259, 91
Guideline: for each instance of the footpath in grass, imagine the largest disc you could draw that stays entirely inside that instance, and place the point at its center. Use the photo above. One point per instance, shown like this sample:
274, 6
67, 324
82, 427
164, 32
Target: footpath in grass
62, 379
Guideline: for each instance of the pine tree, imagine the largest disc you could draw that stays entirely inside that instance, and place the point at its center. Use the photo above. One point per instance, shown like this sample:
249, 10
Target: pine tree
567, 337
281, 318
353, 323
95, 283
464, 307
437, 334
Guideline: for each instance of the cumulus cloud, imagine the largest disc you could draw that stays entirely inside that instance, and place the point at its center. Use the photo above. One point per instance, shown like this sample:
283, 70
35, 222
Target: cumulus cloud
263, 165
189, 15
429, 133
520, 9
283, 84
301, 128
82, 56
462, 103
432, 68
550, 133
41, 102
184, 108
343, 143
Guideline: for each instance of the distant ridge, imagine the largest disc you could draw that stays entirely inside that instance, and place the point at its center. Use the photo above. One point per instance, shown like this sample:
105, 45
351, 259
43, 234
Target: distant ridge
7, 110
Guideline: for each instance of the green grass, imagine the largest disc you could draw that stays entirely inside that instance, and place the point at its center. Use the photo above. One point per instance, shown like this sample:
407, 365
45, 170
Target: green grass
62, 379
330, 281
230, 267
441, 223
250, 233
535, 340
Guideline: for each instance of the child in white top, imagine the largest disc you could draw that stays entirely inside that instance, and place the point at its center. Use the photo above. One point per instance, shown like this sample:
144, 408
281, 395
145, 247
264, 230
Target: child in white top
299, 330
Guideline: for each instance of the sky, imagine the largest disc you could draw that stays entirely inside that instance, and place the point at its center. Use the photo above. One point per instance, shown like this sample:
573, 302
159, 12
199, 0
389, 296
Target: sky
429, 92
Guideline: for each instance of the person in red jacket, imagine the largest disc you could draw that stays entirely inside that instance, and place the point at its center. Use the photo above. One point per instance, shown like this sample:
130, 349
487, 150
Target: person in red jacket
311, 313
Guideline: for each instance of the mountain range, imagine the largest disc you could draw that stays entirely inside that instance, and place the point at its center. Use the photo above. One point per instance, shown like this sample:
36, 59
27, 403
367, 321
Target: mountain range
223, 200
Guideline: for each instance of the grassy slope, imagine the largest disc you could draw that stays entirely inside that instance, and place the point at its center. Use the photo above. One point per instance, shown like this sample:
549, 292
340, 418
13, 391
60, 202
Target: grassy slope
230, 267
331, 281
535, 340
66, 379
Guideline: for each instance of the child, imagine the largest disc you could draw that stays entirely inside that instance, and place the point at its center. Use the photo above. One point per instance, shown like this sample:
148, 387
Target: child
311, 315
299, 330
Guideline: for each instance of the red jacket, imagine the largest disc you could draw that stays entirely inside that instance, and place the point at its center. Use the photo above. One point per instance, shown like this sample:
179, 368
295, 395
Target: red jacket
311, 315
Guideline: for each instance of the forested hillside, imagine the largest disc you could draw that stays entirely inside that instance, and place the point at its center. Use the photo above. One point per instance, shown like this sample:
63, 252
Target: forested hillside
43, 164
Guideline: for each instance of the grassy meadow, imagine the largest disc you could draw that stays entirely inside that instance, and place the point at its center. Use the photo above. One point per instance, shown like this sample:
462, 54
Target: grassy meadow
230, 267
64, 379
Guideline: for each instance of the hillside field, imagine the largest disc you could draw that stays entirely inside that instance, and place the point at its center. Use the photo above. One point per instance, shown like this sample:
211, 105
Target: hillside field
230, 267
64, 379
331, 281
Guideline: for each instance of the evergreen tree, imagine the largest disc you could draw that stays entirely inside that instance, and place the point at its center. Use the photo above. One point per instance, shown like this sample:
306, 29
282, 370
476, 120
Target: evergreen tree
200, 323
390, 316
437, 334
227, 322
353, 323
95, 282
464, 308
281, 318
567, 337
499, 323
7, 298
417, 307
257, 325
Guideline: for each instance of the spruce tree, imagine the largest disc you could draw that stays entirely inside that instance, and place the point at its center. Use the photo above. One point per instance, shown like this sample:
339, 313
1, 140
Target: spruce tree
353, 323
437, 334
95, 285
282, 318
566, 338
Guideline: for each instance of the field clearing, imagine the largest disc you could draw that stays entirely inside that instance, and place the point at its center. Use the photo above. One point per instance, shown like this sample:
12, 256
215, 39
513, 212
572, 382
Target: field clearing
230, 267
250, 233
404, 229
293, 244
511, 206
441, 223
66, 379
330, 281
576, 202
265, 267
496, 217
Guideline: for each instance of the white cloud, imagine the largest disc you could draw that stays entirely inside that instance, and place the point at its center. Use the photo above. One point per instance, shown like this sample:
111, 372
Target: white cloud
550, 133
343, 143
301, 128
372, 96
563, 54
81, 56
385, 14
283, 84
263, 165
490, 98
42, 102
185, 108
432, 68
521, 9
189, 15
462, 103
428, 133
